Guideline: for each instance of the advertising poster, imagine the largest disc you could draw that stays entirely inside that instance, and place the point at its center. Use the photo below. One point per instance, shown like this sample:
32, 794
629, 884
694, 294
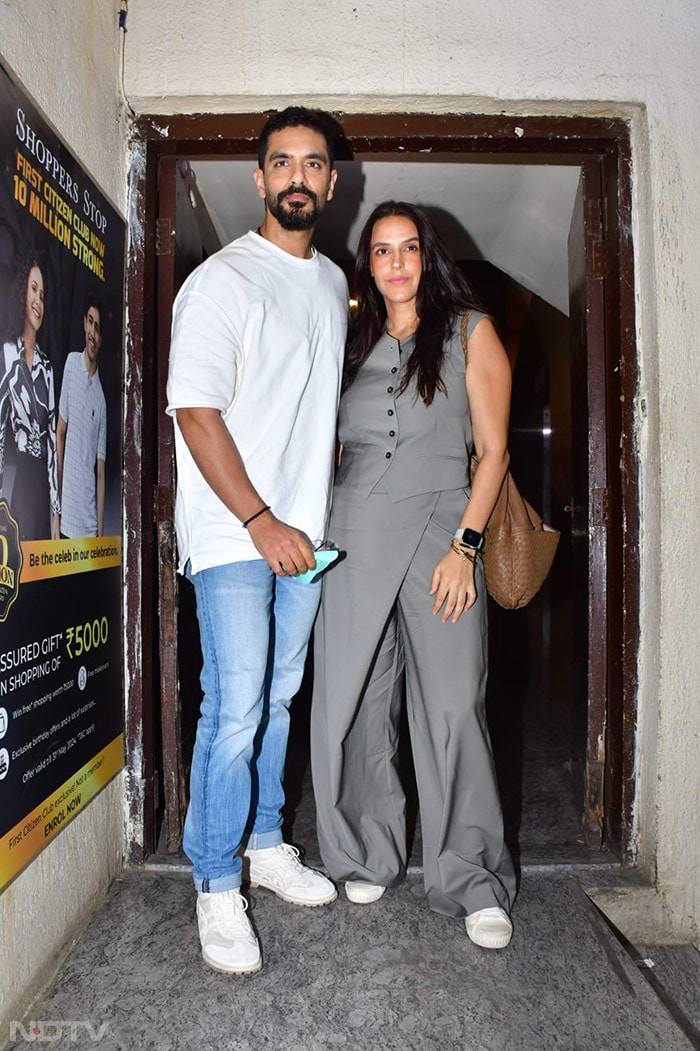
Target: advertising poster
61, 319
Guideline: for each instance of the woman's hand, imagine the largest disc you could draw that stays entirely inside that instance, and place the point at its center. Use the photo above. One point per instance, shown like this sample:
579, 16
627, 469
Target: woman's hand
453, 586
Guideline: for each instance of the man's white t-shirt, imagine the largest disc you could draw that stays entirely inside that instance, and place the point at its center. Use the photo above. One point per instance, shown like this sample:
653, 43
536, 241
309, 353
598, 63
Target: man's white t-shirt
259, 335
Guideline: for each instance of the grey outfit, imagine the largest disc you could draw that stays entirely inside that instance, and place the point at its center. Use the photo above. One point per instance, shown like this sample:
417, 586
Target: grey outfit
399, 494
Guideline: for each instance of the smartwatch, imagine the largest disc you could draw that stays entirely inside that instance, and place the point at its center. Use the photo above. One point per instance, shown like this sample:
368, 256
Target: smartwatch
470, 538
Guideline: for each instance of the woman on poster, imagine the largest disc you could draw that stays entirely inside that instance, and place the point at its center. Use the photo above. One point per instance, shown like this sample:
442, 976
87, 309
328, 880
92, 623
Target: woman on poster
28, 415
408, 604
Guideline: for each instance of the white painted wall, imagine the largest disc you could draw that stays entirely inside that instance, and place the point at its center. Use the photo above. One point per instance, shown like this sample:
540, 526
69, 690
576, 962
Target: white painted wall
619, 58
66, 55
540, 56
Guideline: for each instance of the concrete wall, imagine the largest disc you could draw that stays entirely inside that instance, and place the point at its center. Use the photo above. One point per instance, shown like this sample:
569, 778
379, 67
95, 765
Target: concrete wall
66, 55
621, 58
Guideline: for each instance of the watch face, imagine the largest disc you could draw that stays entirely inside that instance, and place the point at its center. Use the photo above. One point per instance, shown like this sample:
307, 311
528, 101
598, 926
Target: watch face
471, 538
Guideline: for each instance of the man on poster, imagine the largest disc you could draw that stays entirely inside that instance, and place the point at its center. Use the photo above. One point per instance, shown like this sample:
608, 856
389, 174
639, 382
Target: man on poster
255, 364
81, 434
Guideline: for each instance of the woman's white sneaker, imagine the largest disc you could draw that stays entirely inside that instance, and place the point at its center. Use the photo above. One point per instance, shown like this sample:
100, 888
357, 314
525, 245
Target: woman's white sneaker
363, 893
228, 939
489, 928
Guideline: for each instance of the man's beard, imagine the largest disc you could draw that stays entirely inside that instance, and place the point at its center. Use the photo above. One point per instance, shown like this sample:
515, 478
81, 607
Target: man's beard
295, 216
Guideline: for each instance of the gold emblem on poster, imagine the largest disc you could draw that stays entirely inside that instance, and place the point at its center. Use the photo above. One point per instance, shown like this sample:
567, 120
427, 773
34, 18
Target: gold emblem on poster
10, 560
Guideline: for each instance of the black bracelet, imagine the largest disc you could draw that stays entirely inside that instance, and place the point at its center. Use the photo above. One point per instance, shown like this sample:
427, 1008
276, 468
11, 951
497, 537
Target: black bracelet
256, 515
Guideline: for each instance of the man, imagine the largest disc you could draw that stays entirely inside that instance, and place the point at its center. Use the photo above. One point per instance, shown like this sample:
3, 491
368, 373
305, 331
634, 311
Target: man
81, 434
255, 363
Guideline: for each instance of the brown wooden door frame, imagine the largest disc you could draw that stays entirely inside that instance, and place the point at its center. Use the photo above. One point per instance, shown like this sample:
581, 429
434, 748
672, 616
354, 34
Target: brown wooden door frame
602, 147
589, 502
166, 588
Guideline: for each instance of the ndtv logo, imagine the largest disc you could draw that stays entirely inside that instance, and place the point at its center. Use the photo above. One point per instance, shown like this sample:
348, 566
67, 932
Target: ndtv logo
45, 1031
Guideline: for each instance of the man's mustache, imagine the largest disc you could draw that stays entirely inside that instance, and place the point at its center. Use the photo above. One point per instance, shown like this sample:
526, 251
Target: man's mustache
297, 189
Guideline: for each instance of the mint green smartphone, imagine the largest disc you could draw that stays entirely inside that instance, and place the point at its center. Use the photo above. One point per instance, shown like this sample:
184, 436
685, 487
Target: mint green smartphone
324, 559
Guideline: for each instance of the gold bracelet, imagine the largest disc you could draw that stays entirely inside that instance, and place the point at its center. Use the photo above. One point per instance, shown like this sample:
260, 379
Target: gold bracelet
464, 553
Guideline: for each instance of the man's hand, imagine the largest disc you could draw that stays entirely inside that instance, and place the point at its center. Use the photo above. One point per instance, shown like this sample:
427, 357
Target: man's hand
287, 551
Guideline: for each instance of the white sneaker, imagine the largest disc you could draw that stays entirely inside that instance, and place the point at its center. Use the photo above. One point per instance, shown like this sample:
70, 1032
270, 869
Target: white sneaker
489, 928
228, 940
363, 893
280, 870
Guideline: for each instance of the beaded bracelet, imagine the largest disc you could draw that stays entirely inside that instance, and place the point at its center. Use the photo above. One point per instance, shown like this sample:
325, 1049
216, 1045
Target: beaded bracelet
256, 515
466, 554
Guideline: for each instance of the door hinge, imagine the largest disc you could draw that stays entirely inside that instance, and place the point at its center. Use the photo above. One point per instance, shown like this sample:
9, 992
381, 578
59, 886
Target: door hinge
164, 237
600, 507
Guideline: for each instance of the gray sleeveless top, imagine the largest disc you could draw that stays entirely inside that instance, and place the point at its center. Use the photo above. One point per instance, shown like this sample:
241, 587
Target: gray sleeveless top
396, 444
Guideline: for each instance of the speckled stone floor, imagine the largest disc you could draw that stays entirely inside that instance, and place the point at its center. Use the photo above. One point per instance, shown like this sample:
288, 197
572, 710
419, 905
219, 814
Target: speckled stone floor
392, 976
389, 977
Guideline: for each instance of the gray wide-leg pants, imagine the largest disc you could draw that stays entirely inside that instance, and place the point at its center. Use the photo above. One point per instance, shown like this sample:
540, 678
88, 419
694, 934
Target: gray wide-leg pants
375, 625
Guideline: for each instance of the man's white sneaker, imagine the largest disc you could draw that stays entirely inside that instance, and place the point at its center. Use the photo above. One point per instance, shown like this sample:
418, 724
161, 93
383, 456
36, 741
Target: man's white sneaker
228, 940
489, 928
279, 869
363, 893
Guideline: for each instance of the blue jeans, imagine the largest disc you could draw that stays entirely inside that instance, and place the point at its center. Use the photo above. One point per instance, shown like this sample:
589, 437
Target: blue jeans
254, 629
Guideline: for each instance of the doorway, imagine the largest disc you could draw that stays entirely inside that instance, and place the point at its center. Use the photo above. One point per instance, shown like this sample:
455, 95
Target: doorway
572, 375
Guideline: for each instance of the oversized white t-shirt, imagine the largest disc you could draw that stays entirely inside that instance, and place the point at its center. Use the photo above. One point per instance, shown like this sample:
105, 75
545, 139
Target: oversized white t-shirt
259, 335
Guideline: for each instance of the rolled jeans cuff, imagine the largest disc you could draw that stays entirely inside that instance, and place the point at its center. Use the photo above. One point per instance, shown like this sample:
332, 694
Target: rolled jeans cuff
219, 884
262, 840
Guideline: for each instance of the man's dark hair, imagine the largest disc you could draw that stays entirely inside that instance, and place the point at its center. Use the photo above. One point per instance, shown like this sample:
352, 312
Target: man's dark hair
92, 299
297, 117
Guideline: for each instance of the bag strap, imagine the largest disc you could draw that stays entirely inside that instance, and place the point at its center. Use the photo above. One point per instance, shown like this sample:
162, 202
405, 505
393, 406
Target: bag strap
511, 506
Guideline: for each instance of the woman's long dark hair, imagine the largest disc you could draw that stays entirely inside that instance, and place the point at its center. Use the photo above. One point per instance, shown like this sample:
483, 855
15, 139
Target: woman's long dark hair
28, 260
443, 293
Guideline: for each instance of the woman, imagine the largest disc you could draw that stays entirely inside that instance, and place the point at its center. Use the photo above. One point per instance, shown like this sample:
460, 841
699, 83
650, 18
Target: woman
409, 601
28, 417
